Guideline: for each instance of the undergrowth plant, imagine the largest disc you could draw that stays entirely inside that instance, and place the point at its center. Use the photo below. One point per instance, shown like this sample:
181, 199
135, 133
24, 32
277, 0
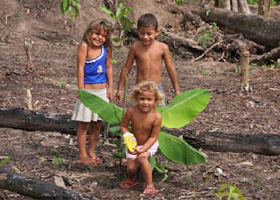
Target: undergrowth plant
230, 191
181, 111
71, 6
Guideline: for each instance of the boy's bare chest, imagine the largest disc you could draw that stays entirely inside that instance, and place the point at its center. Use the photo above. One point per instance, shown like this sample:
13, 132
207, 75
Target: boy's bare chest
150, 54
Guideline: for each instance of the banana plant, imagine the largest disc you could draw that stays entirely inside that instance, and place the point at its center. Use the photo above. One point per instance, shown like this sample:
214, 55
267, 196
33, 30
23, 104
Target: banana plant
181, 111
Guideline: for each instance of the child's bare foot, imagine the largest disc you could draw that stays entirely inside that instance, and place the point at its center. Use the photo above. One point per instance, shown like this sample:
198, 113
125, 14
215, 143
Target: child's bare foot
95, 158
85, 160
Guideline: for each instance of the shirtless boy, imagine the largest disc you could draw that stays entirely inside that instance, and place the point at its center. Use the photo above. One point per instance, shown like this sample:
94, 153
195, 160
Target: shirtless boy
145, 124
148, 54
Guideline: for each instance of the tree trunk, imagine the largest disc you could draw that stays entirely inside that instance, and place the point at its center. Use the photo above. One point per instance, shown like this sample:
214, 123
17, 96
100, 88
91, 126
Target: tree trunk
35, 188
245, 66
254, 27
267, 144
234, 5
244, 7
264, 8
225, 4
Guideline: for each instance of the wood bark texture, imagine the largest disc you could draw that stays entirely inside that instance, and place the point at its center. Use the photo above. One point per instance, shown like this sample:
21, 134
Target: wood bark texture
36, 188
267, 144
253, 27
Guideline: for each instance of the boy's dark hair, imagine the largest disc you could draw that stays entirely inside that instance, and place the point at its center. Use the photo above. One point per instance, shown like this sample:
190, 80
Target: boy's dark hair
147, 20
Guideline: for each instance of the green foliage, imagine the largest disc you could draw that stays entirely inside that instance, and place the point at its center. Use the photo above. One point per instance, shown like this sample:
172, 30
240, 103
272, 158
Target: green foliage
256, 2
108, 112
5, 160
61, 83
120, 19
178, 151
231, 192
181, 111
71, 6
185, 107
59, 162
237, 69
206, 39
160, 168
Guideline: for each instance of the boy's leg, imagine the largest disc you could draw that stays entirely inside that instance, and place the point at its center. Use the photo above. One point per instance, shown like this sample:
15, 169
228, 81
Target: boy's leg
81, 140
93, 138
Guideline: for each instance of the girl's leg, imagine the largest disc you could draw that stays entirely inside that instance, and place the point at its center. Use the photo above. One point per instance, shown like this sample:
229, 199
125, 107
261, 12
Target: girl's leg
93, 138
81, 140
146, 168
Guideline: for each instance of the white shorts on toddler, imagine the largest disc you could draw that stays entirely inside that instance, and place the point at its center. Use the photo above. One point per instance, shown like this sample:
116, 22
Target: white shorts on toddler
152, 150
84, 114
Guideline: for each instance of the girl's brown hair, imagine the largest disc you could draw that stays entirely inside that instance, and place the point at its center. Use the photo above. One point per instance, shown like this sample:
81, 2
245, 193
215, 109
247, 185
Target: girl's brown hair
97, 25
145, 86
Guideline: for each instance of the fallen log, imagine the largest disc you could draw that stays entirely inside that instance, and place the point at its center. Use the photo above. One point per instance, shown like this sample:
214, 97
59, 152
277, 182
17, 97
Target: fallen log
254, 27
36, 188
274, 54
18, 118
266, 144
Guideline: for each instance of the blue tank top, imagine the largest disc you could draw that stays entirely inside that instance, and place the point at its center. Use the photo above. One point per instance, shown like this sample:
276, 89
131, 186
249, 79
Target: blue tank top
95, 69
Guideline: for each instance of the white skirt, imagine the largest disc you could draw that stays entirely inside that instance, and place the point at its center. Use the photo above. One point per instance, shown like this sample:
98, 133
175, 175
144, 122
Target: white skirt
84, 114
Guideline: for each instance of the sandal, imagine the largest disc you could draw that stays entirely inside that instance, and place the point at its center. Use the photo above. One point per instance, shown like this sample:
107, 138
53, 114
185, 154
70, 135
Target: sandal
127, 184
150, 190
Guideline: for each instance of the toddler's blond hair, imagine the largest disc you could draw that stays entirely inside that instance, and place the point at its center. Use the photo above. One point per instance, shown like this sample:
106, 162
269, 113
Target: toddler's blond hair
144, 86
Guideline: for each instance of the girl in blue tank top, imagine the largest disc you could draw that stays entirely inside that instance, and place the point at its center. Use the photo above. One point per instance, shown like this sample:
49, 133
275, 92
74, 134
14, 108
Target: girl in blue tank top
95, 75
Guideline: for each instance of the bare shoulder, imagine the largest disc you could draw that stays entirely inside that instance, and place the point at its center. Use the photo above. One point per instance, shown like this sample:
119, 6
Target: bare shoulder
82, 45
130, 110
157, 116
164, 46
136, 45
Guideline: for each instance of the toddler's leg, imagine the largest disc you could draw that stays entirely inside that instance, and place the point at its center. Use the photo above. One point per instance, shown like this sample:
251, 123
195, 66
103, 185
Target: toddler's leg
132, 168
146, 168
93, 137
81, 140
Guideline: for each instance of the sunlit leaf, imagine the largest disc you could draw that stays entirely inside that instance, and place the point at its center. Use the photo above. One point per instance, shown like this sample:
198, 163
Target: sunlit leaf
178, 151
107, 111
184, 108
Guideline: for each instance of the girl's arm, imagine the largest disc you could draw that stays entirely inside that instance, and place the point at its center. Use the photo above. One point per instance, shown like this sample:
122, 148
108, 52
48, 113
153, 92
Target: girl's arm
81, 58
154, 135
170, 68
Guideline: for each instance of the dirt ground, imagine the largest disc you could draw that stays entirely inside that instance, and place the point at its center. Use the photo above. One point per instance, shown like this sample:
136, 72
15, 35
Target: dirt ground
48, 155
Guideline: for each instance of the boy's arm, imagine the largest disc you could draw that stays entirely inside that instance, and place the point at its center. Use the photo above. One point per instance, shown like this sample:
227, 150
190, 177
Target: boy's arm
170, 69
81, 58
110, 81
125, 70
154, 135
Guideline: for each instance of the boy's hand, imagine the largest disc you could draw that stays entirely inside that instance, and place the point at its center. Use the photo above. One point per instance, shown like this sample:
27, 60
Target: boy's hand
118, 96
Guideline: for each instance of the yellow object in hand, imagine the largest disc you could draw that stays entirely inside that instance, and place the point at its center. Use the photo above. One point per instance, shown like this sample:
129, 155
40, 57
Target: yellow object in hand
130, 141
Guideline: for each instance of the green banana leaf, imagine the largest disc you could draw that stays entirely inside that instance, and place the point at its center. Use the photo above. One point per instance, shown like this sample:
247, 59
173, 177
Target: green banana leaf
106, 111
178, 151
184, 108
